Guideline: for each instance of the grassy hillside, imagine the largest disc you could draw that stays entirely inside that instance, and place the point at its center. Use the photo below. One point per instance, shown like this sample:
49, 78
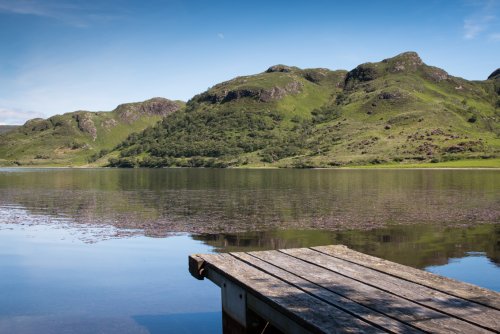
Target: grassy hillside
80, 137
397, 111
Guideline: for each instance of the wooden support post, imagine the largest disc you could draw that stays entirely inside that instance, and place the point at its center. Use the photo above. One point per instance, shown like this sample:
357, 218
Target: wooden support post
234, 308
242, 313
238, 317
231, 326
332, 289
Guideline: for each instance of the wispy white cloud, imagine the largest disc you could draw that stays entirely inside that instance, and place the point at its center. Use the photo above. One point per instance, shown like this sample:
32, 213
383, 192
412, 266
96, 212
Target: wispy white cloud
16, 116
68, 13
22, 7
473, 27
99, 82
481, 19
220, 35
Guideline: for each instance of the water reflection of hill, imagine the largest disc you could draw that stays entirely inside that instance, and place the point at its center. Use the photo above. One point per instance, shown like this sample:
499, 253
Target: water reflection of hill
416, 245
229, 206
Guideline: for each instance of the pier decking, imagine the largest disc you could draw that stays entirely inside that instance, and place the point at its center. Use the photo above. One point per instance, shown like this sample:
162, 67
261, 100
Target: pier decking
333, 289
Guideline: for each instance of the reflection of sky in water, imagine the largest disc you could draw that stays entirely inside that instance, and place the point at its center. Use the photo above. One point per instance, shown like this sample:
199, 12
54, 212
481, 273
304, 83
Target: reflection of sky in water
51, 282
476, 269
73, 258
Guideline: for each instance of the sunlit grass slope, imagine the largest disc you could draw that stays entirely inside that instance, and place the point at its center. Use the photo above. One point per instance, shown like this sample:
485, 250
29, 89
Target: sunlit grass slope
80, 137
397, 111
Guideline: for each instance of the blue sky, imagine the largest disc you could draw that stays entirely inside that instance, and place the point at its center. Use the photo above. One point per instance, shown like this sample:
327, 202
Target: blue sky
59, 56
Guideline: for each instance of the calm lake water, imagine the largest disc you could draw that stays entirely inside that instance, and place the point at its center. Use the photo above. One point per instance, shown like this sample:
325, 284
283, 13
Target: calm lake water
87, 251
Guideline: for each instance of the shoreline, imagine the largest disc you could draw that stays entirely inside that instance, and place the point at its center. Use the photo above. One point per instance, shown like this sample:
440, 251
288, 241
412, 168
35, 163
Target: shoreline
364, 167
466, 164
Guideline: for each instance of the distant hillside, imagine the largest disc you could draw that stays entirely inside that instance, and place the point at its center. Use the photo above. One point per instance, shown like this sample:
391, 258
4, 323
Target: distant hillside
7, 128
399, 110
79, 137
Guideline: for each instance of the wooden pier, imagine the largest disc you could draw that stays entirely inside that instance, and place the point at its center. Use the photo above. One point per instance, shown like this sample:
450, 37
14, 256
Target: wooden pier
333, 289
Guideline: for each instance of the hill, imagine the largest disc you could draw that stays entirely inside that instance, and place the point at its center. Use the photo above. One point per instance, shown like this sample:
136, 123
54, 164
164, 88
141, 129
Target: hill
399, 110
78, 137
7, 128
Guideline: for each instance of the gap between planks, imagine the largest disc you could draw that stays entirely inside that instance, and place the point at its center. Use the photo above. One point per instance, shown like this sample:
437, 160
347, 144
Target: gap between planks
436, 282
347, 305
459, 308
422, 316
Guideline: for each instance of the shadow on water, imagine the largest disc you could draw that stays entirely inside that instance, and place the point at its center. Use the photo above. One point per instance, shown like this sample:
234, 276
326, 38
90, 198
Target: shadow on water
184, 323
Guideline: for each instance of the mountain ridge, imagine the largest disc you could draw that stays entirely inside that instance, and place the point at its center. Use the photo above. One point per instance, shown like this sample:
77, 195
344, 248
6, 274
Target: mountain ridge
73, 138
397, 111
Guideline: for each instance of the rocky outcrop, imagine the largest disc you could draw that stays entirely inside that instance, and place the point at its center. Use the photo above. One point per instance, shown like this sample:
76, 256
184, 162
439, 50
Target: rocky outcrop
158, 106
363, 72
426, 148
471, 146
315, 75
407, 61
128, 115
279, 68
86, 124
262, 95
277, 93
495, 75
37, 124
436, 74
109, 123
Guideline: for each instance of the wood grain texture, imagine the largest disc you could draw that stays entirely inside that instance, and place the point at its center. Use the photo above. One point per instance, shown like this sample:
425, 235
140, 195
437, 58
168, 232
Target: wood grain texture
388, 304
457, 307
328, 296
450, 286
314, 314
333, 289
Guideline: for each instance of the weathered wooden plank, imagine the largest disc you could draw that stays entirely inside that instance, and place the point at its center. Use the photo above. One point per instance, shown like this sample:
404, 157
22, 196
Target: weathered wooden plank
447, 285
463, 309
274, 317
355, 309
393, 306
308, 311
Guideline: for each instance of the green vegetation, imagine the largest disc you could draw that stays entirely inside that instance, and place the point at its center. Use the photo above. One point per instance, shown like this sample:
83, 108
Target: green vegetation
467, 163
80, 137
397, 112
